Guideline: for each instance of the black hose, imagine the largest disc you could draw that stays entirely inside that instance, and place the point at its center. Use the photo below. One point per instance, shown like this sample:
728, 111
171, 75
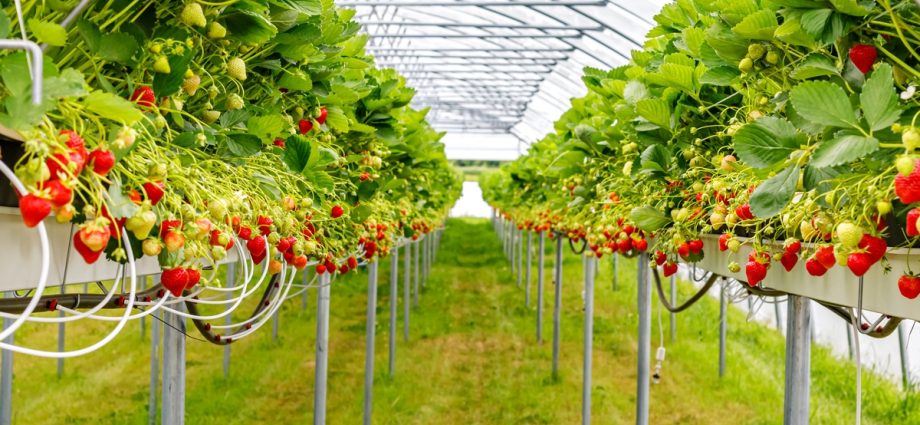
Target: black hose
696, 297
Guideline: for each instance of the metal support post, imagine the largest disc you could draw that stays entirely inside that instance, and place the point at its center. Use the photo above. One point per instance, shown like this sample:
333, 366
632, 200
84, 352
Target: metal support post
418, 247
723, 327
779, 317
645, 340
557, 304
173, 410
529, 266
905, 365
540, 260
590, 265
518, 253
62, 335
394, 295
407, 282
673, 302
6, 377
322, 349
798, 361
369, 341
154, 362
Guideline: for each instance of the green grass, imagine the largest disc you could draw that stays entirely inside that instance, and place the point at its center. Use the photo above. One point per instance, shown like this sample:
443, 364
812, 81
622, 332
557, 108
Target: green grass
472, 359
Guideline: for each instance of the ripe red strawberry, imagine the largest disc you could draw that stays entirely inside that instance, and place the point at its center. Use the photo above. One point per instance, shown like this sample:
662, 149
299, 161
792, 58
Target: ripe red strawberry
859, 263
60, 194
352, 262
755, 272
696, 246
744, 212
337, 211
907, 188
789, 260
330, 266
660, 257
167, 226
245, 233
102, 161
624, 245
343, 269
154, 191
683, 250
258, 258
320, 269
670, 268
814, 267
305, 126
793, 246
365, 176
912, 217
300, 262
95, 235
173, 240
323, 113
285, 244
264, 225
279, 143
863, 56
89, 256
34, 209
909, 285
629, 229
640, 245
256, 246
175, 280
144, 96
723, 241
194, 276
825, 255
874, 246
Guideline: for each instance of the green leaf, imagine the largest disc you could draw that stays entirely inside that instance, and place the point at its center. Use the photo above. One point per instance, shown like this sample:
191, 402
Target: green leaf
118, 47
824, 103
815, 65
879, 99
243, 145
842, 150
4, 24
118, 204
775, 193
766, 142
648, 219
48, 32
720, 76
113, 107
267, 127
656, 157
169, 84
656, 111
248, 26
297, 150
634, 91
336, 119
15, 73
853, 7
296, 80
361, 213
758, 26
186, 140
69, 83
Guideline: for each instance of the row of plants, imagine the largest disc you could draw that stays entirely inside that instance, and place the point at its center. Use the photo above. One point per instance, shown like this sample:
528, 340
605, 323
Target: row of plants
188, 122
786, 125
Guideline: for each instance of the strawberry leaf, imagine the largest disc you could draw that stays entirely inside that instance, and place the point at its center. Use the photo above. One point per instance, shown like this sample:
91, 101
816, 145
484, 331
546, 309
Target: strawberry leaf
843, 149
775, 193
879, 100
766, 142
824, 103
648, 219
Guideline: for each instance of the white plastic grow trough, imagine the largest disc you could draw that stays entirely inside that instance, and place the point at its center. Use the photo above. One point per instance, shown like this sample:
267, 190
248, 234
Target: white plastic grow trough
838, 286
20, 256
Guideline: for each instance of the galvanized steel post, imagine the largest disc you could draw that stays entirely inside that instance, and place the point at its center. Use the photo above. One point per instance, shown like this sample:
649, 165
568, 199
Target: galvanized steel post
394, 295
322, 349
557, 304
590, 265
173, 409
417, 255
529, 266
540, 265
6, 377
645, 340
154, 362
723, 327
369, 340
407, 282
798, 361
231, 281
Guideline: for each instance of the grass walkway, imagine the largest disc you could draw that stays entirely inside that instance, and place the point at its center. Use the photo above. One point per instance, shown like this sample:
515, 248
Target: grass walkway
472, 359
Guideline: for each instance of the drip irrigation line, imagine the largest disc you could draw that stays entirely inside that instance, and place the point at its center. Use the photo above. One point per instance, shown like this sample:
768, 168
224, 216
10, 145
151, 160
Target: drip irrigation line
584, 245
696, 297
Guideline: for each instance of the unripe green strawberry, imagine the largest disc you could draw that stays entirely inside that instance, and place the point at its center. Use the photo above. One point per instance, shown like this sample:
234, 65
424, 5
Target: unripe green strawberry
772, 57
746, 65
234, 102
141, 223
734, 267
216, 31
236, 69
210, 117
218, 252
193, 15
905, 165
734, 245
849, 234
218, 209
161, 65
190, 84
911, 138
213, 92
756, 51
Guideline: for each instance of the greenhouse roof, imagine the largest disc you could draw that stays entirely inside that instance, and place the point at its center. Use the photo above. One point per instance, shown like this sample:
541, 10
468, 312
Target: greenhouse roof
500, 72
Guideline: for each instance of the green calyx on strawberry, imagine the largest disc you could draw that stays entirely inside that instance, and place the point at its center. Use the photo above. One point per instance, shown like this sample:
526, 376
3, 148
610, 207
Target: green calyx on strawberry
907, 188
909, 285
34, 209
141, 223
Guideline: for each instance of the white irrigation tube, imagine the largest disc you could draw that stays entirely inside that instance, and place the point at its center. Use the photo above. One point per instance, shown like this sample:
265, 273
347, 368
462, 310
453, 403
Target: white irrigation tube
153, 308
46, 262
270, 311
272, 303
77, 315
121, 324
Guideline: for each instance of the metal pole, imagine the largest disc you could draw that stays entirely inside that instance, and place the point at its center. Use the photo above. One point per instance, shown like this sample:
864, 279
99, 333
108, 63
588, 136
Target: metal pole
6, 377
417, 255
673, 302
407, 282
540, 261
529, 266
905, 366
723, 328
322, 349
394, 294
173, 412
513, 251
849, 331
275, 325
779, 317
557, 304
61, 337
369, 340
143, 281
645, 340
798, 361
154, 362
616, 269
426, 256
231, 281
519, 254
305, 279
590, 265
